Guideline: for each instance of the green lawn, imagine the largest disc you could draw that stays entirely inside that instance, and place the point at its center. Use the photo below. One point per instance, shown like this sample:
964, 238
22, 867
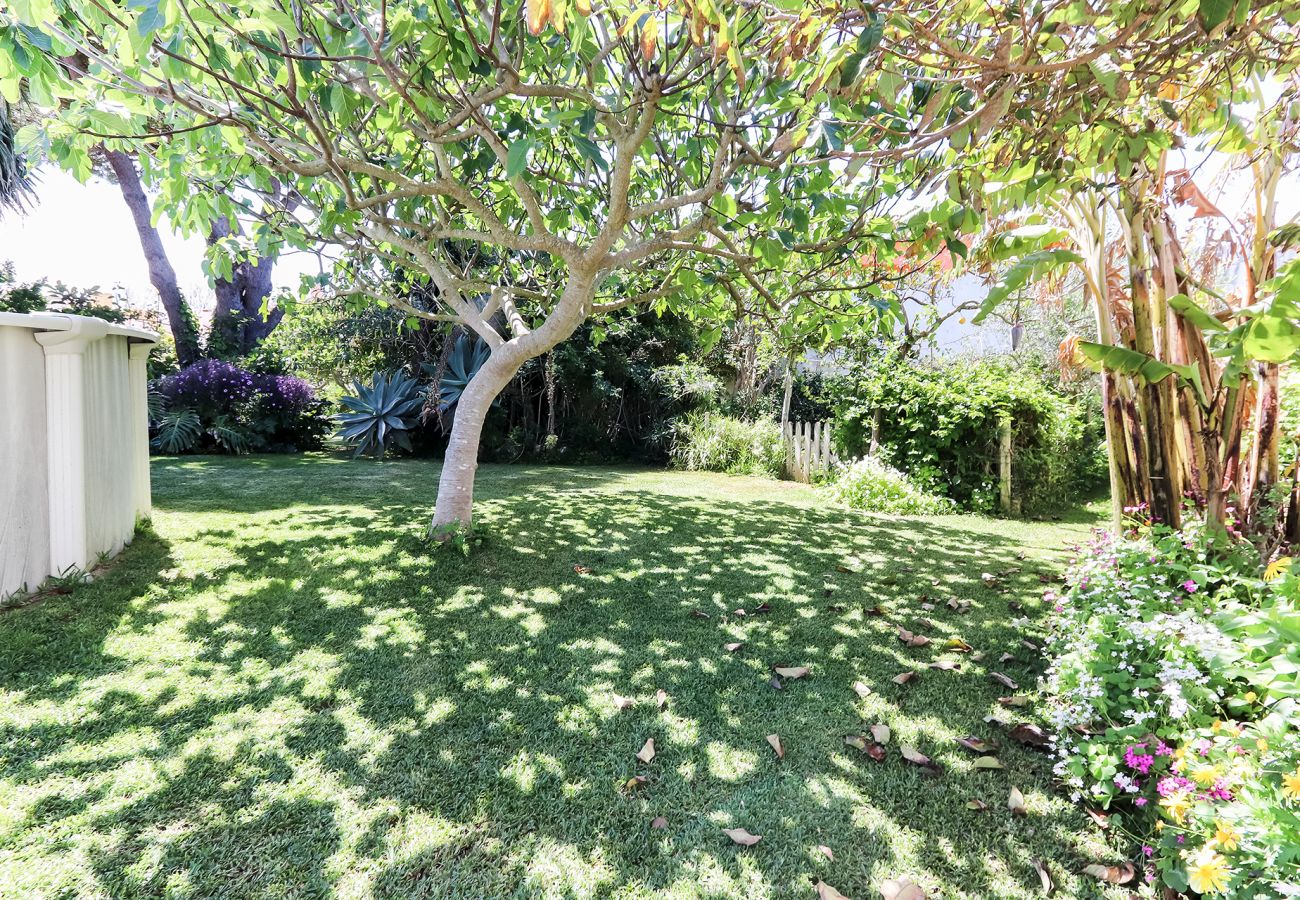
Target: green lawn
282, 692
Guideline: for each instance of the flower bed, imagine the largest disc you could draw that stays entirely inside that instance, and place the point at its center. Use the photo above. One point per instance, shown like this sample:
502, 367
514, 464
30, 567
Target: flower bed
1172, 697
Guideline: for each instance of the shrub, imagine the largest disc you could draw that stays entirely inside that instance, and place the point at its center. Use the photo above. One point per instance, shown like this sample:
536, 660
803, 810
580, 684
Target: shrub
1172, 693
215, 406
712, 442
875, 486
941, 424
378, 417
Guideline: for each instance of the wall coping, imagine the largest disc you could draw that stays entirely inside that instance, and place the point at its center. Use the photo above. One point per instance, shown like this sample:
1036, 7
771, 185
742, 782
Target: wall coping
87, 325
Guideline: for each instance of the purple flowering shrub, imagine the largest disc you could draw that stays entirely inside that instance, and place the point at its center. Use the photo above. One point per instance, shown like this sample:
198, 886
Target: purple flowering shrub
242, 411
1149, 722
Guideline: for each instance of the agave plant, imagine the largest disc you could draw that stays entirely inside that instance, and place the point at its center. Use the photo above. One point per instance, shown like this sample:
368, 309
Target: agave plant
380, 415
467, 356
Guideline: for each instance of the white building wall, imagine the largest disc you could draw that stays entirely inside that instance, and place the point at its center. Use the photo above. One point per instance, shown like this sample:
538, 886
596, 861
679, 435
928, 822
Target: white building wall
74, 443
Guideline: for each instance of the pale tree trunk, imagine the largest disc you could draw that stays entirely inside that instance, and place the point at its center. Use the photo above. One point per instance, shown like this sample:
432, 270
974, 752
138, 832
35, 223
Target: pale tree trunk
455, 504
161, 273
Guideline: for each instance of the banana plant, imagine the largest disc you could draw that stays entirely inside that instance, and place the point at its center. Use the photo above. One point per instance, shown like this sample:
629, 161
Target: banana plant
379, 416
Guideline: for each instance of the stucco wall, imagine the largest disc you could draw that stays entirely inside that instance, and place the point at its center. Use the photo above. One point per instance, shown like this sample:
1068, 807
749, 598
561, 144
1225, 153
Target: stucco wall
74, 452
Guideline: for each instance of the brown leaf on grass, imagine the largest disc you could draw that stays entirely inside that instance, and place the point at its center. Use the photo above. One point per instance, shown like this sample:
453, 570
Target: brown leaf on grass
988, 762
1004, 681
976, 804
977, 744
742, 837
647, 752
861, 689
658, 823
1121, 874
916, 757
945, 665
634, 782
1015, 605
826, 892
826, 852
1031, 645
880, 734
1016, 802
876, 752
622, 703
1029, 735
857, 741
1007, 657
699, 614
1100, 818
739, 612
1016, 700
903, 677
927, 606
775, 741
775, 683
791, 672
901, 889
874, 611
734, 646
834, 608
911, 639
661, 698
762, 608
845, 569
581, 569
925, 623
1044, 877
956, 643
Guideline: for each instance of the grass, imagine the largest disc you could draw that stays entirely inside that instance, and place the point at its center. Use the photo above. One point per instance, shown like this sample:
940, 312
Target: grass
281, 691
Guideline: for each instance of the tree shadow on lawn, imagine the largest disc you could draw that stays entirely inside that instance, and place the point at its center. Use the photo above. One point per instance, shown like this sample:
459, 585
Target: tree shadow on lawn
334, 706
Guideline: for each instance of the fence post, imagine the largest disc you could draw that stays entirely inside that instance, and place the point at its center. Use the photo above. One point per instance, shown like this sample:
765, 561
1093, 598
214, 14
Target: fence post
1004, 465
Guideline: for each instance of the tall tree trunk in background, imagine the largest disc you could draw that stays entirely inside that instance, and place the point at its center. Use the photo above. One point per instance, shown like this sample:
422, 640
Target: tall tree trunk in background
238, 325
161, 273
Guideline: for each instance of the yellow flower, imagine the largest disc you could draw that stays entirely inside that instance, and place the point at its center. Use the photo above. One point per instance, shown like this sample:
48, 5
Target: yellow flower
1291, 785
1160, 826
1251, 696
1261, 744
1225, 836
1207, 872
1205, 775
1216, 725
1177, 806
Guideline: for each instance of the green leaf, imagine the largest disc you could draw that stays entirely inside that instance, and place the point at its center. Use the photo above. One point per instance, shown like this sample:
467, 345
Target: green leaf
1213, 13
1140, 366
1028, 267
1189, 310
517, 157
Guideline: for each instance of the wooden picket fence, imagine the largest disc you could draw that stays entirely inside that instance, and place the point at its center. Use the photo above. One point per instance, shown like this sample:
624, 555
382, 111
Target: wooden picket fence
807, 450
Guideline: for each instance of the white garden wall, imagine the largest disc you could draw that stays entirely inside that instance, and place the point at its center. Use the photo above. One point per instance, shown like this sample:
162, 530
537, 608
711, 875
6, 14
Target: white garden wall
74, 443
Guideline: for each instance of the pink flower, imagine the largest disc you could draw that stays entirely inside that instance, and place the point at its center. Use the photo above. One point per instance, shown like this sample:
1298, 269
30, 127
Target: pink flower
1189, 586
1140, 801
1148, 850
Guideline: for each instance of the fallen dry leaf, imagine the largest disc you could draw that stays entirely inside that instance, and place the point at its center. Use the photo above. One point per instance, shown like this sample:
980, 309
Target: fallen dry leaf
582, 570
1121, 874
775, 683
856, 741
945, 665
699, 614
1004, 681
988, 762
925, 623
1031, 645
977, 805
791, 672
927, 606
880, 733
861, 689
742, 837
876, 752
1044, 877
762, 608
1016, 802
1017, 700
826, 852
734, 646
1030, 735
826, 892
658, 823
901, 889
956, 643
739, 612
916, 757
634, 782
622, 703
1100, 818
977, 744
647, 752
874, 611
775, 741
1007, 657
904, 677
661, 698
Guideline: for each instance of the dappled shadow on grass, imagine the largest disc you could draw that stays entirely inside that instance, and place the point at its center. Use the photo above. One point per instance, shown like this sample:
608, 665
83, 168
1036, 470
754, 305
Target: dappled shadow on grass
325, 703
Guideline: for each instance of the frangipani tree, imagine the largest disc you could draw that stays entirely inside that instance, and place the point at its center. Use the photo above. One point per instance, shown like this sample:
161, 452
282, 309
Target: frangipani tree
519, 161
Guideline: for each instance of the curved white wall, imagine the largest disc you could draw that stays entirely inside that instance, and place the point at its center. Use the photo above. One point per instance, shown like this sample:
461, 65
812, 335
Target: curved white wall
74, 443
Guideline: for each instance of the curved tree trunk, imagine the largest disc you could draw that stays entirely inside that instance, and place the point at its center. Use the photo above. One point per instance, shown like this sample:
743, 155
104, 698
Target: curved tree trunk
455, 503
161, 273
237, 322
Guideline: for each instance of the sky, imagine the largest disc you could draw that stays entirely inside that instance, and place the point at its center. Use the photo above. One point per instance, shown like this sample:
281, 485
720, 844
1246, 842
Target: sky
83, 235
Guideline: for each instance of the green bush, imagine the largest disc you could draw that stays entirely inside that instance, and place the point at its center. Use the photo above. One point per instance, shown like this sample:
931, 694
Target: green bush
941, 424
712, 442
874, 486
